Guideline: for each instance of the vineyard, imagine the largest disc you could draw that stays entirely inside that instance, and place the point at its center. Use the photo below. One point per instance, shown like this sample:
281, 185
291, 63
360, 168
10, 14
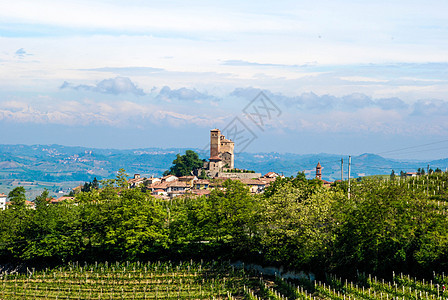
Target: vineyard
211, 280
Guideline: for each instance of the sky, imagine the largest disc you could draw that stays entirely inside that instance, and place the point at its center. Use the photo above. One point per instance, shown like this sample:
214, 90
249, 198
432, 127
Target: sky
342, 77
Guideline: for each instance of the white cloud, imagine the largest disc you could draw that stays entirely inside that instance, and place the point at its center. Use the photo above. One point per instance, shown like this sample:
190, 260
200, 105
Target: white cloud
21, 53
117, 85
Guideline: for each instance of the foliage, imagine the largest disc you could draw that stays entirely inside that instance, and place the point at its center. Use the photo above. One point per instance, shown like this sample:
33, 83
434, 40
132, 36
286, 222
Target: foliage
185, 164
17, 198
297, 223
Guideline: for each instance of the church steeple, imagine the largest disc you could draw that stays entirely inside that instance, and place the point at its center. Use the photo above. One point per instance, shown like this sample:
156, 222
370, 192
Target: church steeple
319, 171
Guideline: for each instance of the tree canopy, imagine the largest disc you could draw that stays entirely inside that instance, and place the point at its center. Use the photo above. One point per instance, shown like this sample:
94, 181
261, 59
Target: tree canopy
398, 225
184, 165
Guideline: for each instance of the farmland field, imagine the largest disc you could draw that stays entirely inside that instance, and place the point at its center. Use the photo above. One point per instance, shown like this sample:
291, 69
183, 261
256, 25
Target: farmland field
200, 280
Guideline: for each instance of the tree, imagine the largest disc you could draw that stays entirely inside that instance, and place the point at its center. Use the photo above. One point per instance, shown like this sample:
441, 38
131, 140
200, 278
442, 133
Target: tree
203, 175
134, 225
42, 200
231, 214
121, 180
17, 197
438, 170
86, 187
95, 184
185, 164
392, 175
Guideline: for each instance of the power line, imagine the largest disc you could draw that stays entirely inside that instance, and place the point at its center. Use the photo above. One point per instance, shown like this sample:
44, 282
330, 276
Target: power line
412, 147
426, 150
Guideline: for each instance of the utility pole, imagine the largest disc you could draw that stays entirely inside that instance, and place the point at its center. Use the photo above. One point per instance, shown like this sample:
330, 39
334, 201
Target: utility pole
342, 169
349, 165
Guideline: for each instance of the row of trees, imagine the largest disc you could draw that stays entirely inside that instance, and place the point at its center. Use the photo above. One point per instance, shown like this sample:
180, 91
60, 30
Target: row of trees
297, 223
420, 171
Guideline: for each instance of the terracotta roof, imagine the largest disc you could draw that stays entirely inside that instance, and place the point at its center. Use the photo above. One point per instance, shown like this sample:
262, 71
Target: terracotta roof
253, 181
62, 199
158, 191
3, 195
178, 184
200, 192
215, 158
159, 185
78, 187
318, 165
269, 179
135, 180
270, 175
187, 177
202, 181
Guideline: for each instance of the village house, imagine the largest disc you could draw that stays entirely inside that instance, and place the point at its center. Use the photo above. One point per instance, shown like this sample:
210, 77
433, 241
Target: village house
201, 184
28, 204
61, 199
256, 185
3, 201
188, 179
136, 181
169, 178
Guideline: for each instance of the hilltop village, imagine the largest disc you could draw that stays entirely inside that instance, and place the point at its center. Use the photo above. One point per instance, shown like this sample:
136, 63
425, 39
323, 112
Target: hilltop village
218, 168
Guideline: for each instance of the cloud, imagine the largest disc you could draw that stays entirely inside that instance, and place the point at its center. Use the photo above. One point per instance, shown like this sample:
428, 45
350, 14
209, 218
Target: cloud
21, 53
430, 108
117, 85
243, 63
127, 71
391, 103
182, 94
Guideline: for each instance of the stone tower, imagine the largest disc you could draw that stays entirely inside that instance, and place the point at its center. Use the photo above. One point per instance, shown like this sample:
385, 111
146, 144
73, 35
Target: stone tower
226, 152
221, 152
215, 143
319, 171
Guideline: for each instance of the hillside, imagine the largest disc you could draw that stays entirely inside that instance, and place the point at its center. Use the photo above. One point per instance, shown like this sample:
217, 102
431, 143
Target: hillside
56, 164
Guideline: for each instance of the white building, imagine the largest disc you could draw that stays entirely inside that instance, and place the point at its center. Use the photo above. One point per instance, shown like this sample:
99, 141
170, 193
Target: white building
3, 201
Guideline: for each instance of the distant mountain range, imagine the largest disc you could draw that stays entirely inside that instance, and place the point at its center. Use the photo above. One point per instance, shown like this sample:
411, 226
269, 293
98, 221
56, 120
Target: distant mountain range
56, 163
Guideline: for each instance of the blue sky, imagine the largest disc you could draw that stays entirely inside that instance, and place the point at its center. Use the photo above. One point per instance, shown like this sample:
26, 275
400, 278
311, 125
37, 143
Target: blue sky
346, 76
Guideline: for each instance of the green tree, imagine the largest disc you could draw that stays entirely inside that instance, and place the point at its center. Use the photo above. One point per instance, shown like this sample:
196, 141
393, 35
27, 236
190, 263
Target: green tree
298, 222
203, 175
392, 175
184, 165
95, 183
135, 225
121, 180
42, 200
17, 197
86, 187
53, 232
231, 214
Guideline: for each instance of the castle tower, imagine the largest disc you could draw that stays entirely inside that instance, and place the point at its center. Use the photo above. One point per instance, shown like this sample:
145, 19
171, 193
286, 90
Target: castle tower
215, 143
226, 152
319, 171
